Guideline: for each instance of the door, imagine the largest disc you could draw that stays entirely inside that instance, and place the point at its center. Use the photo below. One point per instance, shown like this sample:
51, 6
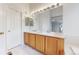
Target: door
2, 31
13, 28
51, 46
40, 42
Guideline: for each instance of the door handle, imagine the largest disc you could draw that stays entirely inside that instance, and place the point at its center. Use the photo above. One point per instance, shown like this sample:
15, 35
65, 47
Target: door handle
1, 33
9, 31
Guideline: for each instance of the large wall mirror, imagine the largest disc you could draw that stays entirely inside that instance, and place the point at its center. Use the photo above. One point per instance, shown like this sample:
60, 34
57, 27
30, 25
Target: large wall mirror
48, 21
56, 19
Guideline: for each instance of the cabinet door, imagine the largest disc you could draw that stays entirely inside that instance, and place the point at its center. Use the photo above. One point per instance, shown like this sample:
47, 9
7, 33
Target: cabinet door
40, 43
26, 38
60, 49
51, 46
32, 40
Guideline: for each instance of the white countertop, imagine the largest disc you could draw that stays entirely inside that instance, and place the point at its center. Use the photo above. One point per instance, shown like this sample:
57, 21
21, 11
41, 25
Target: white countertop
52, 34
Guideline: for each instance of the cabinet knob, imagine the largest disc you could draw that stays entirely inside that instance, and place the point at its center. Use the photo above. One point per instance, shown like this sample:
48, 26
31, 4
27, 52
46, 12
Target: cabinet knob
1, 33
9, 31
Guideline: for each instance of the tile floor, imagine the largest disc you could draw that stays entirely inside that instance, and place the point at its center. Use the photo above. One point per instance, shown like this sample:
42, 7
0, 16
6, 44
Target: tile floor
24, 50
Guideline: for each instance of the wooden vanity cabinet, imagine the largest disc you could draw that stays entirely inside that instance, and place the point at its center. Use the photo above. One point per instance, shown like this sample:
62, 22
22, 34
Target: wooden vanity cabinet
46, 44
32, 40
51, 46
40, 41
26, 38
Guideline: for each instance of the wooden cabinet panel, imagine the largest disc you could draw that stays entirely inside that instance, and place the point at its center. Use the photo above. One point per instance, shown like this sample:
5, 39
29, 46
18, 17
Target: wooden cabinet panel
51, 46
60, 48
32, 40
26, 38
40, 43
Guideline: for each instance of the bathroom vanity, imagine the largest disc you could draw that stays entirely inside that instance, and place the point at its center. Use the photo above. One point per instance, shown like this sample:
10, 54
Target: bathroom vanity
44, 34
48, 44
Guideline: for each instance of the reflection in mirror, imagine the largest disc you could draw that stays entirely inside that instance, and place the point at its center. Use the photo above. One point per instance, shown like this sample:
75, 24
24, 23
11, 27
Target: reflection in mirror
28, 21
56, 24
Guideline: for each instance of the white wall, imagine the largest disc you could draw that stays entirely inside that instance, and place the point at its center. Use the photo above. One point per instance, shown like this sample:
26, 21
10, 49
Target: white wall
37, 6
71, 23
